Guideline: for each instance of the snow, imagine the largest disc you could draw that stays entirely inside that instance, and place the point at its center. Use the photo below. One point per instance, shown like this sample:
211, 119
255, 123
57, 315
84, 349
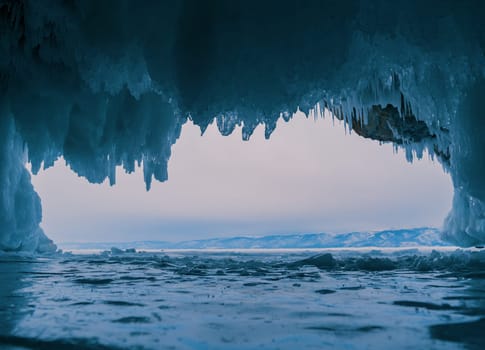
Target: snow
414, 237
108, 86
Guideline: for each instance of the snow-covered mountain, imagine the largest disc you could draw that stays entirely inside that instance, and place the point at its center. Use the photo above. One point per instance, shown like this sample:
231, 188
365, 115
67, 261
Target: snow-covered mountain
423, 236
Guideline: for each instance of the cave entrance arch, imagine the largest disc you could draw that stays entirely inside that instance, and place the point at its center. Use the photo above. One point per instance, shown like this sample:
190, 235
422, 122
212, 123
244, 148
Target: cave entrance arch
106, 85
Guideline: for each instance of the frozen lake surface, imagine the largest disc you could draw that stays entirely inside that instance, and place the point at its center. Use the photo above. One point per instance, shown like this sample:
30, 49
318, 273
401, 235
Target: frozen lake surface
402, 299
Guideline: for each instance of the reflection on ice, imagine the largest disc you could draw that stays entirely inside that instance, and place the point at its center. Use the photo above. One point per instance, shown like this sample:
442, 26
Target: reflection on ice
15, 299
237, 300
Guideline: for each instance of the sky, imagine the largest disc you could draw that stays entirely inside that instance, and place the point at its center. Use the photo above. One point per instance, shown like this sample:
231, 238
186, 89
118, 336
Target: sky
311, 176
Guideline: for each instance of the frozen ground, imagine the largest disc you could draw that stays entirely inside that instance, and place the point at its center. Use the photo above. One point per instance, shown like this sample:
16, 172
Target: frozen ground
245, 300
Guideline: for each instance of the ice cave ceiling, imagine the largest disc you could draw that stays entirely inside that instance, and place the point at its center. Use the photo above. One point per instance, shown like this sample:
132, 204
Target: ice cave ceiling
109, 83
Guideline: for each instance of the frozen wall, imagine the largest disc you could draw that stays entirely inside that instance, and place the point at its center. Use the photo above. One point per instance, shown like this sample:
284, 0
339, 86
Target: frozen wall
20, 208
110, 83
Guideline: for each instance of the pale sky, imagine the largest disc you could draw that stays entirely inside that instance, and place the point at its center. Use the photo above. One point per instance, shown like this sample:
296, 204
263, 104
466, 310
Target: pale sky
309, 177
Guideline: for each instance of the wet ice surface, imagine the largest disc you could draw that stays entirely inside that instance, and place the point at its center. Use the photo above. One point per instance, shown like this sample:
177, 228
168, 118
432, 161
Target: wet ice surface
235, 300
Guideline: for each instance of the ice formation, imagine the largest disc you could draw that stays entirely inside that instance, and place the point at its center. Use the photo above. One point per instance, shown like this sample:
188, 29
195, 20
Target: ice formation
107, 84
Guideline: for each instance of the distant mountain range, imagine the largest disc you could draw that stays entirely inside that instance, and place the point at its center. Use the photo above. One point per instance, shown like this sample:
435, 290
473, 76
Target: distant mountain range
424, 236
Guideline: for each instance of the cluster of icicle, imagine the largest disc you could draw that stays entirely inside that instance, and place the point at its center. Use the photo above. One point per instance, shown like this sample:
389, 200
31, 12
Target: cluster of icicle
108, 84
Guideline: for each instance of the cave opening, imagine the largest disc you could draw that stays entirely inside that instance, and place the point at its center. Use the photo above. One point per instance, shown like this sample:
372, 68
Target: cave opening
311, 176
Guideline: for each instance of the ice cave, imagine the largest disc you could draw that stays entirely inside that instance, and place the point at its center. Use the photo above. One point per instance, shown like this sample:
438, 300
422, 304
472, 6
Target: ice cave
109, 84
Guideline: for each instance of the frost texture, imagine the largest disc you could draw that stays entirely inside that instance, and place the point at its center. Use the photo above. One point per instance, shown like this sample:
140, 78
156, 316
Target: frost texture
110, 83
